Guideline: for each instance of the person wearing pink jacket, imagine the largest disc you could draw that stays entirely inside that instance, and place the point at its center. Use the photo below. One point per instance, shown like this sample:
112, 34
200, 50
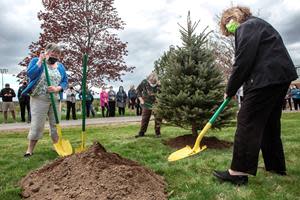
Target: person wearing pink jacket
104, 102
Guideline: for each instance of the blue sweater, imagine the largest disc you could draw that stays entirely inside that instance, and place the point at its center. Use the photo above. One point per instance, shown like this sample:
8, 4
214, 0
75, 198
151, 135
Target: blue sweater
295, 93
34, 73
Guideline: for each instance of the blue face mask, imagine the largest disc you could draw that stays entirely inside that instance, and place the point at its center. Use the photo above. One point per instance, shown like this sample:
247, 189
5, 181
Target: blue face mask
232, 26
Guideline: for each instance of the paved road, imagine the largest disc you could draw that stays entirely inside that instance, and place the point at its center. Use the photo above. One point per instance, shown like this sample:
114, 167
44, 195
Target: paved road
14, 127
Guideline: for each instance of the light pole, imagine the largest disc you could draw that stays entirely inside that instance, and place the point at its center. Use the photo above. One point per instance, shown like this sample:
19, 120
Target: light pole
3, 71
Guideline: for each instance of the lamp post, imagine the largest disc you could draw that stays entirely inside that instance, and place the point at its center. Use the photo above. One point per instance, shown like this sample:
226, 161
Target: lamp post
3, 71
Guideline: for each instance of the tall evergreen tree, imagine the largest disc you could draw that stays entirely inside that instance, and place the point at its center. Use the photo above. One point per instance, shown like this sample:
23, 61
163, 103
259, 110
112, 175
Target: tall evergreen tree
191, 84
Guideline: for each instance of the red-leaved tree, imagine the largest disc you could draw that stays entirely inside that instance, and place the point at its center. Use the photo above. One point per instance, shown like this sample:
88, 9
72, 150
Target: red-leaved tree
83, 26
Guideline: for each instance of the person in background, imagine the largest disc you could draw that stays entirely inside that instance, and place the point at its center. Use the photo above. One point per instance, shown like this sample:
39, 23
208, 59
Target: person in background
112, 102
39, 91
104, 102
146, 93
92, 105
24, 101
131, 97
121, 100
89, 102
71, 102
138, 107
295, 92
7, 95
288, 99
263, 66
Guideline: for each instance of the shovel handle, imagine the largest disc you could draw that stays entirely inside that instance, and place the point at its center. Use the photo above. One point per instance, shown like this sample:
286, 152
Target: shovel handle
220, 109
84, 66
51, 93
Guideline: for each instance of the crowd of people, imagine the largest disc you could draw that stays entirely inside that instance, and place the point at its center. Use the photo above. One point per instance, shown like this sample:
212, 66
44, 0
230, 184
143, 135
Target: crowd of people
109, 100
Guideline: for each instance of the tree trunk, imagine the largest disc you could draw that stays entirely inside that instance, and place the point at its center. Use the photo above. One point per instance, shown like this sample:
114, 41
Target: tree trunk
194, 129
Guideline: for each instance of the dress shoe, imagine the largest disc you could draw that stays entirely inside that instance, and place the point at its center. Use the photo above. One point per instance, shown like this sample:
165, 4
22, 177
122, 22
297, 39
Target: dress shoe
225, 176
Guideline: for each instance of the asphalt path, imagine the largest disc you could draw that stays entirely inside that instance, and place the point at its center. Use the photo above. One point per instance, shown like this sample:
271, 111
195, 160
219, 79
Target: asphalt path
17, 127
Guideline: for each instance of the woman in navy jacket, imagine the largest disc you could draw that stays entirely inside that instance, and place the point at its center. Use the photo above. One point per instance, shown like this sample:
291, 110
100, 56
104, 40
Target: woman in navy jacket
264, 68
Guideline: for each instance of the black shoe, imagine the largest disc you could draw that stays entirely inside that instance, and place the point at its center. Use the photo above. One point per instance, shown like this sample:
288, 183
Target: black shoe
27, 155
141, 134
225, 176
157, 135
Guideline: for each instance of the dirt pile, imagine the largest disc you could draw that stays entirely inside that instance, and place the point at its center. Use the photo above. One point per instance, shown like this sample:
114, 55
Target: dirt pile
93, 174
211, 142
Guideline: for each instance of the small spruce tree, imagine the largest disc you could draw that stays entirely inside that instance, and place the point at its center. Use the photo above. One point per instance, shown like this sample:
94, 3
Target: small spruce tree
192, 86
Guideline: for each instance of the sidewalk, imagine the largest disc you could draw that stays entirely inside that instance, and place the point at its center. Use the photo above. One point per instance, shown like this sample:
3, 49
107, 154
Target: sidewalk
16, 127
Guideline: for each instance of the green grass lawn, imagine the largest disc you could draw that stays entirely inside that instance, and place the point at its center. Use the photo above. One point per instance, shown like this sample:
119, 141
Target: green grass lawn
189, 178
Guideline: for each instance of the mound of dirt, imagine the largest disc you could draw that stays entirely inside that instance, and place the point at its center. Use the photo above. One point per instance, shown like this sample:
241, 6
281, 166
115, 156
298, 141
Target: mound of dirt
211, 142
93, 174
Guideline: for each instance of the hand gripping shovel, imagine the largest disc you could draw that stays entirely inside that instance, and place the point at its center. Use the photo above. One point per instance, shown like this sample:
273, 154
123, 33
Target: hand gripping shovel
188, 151
62, 147
83, 106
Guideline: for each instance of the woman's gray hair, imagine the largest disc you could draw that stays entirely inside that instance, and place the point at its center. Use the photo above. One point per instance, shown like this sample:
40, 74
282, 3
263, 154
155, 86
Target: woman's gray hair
52, 47
152, 77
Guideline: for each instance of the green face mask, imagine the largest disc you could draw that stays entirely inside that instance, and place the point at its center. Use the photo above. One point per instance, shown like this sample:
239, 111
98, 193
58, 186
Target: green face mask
232, 26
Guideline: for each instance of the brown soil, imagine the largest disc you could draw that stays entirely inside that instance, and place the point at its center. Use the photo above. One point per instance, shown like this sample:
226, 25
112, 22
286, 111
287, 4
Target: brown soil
210, 142
93, 174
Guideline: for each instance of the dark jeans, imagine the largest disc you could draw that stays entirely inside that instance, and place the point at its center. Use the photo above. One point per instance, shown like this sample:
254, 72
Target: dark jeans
112, 108
146, 115
103, 110
258, 128
88, 108
296, 103
23, 107
71, 106
132, 104
121, 111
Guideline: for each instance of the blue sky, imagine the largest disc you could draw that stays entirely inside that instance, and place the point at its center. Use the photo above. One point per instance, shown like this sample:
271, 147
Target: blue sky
151, 27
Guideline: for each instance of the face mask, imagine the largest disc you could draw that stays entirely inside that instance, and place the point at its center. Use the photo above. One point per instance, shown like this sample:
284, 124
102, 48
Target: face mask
152, 85
52, 60
232, 26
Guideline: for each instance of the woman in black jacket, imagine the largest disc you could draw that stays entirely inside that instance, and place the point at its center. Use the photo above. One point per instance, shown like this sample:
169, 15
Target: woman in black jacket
264, 68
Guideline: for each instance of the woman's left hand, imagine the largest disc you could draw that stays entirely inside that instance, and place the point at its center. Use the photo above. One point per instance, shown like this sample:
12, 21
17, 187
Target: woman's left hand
54, 89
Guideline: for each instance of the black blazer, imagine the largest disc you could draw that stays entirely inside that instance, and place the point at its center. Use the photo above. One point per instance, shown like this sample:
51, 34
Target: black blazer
261, 58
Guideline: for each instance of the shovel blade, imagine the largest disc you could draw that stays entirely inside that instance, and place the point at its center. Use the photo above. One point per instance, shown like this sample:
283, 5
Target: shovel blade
82, 146
63, 147
184, 152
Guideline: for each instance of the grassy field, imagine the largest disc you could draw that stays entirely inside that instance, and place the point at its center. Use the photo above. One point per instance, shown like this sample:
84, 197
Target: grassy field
190, 178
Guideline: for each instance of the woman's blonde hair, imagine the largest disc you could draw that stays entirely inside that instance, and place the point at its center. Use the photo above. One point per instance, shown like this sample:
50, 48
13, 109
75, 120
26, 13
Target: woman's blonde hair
237, 13
52, 47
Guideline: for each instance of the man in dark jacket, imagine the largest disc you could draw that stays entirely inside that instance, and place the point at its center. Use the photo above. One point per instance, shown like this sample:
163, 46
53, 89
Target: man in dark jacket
264, 68
146, 93
24, 101
7, 95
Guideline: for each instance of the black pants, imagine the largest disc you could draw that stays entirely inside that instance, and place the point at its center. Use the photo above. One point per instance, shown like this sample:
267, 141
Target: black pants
132, 103
103, 108
122, 111
296, 103
71, 106
23, 107
112, 108
258, 128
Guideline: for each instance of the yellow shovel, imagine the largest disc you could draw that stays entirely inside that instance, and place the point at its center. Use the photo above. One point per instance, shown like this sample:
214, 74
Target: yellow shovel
62, 147
188, 151
83, 106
